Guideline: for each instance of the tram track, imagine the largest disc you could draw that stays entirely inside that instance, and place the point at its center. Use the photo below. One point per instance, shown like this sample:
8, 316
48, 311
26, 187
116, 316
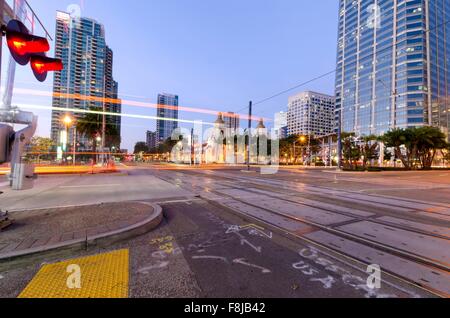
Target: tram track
432, 264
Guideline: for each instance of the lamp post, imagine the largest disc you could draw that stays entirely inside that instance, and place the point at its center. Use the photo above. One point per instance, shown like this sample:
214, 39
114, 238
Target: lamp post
98, 140
68, 121
302, 140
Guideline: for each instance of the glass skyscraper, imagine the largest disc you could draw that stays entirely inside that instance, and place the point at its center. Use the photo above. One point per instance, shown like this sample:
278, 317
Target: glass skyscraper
87, 76
392, 65
167, 114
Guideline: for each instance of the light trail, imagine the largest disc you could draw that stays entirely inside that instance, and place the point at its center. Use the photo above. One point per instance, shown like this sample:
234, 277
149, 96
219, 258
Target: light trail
117, 101
84, 111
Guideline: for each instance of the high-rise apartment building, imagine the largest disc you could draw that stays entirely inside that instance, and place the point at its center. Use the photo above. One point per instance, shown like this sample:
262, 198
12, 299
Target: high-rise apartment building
151, 140
311, 113
167, 114
392, 65
87, 78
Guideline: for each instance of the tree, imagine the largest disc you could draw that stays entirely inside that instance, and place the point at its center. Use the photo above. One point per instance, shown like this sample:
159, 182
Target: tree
141, 147
91, 125
298, 141
402, 139
40, 146
446, 154
418, 145
429, 141
351, 152
369, 149
286, 148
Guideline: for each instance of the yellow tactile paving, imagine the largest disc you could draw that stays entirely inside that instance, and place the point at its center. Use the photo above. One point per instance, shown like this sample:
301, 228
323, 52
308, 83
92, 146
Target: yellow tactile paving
101, 276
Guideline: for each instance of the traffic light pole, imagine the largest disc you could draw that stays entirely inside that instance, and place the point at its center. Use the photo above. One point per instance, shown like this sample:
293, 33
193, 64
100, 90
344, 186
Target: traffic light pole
250, 113
339, 140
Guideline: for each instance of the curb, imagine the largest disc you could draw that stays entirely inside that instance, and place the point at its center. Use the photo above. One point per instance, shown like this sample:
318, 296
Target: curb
134, 230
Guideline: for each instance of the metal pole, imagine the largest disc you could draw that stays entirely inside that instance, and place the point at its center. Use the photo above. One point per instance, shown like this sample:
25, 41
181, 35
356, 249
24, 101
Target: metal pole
103, 115
67, 143
250, 110
339, 141
1, 46
74, 144
309, 150
192, 147
295, 153
330, 152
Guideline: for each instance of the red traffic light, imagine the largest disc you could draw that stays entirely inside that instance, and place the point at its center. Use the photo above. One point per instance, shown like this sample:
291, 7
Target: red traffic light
22, 44
42, 64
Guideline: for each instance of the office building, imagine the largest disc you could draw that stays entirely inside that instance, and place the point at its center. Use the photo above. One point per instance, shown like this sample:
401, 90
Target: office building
280, 125
392, 65
311, 113
167, 114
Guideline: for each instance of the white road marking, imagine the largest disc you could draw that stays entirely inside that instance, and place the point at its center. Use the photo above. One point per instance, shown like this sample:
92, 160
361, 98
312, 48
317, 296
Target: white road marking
90, 186
243, 262
211, 257
145, 270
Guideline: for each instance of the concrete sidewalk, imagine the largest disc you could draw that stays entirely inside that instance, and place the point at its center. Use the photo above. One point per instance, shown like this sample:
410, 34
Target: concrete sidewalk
43, 230
62, 191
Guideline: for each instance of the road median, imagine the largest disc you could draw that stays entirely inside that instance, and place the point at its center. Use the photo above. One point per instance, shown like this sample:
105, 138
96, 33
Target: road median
49, 230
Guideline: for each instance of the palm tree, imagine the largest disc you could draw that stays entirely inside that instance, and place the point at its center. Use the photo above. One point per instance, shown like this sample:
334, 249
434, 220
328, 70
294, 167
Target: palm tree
429, 141
350, 151
369, 151
398, 138
420, 145
90, 126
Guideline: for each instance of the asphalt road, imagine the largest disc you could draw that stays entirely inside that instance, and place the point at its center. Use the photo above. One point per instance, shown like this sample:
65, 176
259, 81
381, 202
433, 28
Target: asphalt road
295, 234
199, 252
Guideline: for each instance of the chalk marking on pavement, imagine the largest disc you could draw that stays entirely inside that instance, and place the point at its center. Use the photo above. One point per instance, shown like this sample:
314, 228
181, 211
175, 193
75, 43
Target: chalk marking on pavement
354, 281
146, 270
252, 228
242, 261
211, 257
256, 248
90, 186
245, 241
327, 281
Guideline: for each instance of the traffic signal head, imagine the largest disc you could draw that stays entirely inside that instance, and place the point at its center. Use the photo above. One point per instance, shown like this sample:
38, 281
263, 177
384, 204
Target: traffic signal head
41, 64
25, 47
22, 44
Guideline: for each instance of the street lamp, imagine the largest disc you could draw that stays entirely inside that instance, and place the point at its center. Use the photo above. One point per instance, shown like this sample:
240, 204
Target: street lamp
69, 121
302, 140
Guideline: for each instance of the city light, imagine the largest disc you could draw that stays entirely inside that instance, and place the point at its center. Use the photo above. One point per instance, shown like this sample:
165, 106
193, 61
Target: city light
27, 44
42, 64
68, 120
313, 162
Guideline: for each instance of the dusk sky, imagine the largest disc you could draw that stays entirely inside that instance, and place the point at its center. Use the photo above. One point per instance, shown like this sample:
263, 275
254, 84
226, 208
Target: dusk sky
215, 55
